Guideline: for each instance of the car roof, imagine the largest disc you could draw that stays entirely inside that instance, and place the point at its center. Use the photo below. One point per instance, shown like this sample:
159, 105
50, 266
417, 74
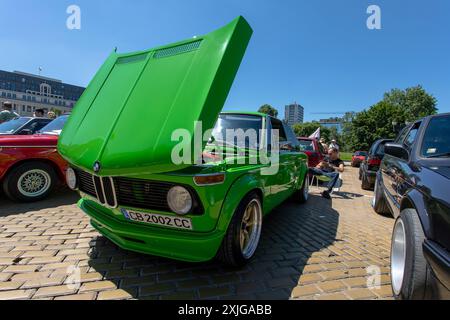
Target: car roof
433, 116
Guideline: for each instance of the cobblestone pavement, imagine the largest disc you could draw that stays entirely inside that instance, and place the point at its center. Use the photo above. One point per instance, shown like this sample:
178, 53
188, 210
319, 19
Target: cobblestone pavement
320, 250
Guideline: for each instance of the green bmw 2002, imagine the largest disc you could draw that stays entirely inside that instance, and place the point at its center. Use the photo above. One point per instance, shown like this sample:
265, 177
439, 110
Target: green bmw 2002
147, 181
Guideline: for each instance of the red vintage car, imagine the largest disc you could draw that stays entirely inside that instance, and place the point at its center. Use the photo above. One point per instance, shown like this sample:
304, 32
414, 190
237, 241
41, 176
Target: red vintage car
30, 166
358, 157
313, 149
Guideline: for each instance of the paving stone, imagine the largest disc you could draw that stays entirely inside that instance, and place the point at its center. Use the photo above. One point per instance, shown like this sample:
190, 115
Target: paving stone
305, 291
360, 294
114, 295
319, 252
16, 294
82, 296
54, 291
98, 286
10, 285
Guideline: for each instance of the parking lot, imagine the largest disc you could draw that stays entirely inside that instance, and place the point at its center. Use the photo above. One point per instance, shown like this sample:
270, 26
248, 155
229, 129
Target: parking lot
321, 250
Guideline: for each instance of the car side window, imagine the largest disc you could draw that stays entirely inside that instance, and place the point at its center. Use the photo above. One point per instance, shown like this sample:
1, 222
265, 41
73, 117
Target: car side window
292, 139
402, 135
411, 137
284, 143
278, 125
29, 126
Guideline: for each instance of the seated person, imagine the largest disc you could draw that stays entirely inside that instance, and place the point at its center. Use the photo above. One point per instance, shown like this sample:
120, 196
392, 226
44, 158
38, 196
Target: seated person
330, 167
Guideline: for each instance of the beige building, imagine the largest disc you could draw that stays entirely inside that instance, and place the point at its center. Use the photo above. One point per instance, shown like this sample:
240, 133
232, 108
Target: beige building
28, 92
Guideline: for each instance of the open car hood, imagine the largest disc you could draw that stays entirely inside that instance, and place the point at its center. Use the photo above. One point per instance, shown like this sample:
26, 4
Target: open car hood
125, 119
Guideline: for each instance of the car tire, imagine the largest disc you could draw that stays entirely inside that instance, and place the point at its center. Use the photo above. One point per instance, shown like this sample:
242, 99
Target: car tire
365, 184
302, 195
379, 203
29, 182
234, 251
408, 265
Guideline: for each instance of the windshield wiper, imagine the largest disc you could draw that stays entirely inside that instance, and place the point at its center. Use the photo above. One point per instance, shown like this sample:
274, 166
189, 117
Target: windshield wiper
440, 155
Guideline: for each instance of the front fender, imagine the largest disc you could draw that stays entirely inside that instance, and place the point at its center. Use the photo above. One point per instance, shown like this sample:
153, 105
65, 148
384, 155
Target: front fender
415, 199
237, 191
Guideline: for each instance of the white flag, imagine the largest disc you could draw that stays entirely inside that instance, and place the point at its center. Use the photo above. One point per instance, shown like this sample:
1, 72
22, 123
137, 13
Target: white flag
316, 134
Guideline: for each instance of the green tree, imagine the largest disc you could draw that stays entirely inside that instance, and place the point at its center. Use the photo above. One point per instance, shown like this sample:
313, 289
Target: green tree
268, 109
383, 119
415, 102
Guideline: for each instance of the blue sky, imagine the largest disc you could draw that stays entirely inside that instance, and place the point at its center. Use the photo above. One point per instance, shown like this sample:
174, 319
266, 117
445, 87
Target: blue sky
316, 52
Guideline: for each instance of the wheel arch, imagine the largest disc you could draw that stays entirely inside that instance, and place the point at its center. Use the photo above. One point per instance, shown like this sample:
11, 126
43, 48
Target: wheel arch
55, 167
240, 188
416, 201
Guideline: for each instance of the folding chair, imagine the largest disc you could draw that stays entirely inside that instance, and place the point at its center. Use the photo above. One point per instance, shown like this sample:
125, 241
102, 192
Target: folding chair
323, 179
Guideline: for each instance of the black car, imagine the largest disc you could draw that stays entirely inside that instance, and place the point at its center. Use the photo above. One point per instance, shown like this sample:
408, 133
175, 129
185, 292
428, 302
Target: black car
370, 166
23, 126
414, 186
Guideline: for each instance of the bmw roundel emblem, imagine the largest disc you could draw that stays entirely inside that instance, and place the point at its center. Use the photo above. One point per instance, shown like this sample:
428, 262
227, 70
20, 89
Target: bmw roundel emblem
97, 166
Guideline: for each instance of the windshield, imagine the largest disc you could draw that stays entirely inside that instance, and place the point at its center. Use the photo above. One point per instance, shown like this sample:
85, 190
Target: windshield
228, 124
12, 125
436, 141
306, 145
55, 127
361, 153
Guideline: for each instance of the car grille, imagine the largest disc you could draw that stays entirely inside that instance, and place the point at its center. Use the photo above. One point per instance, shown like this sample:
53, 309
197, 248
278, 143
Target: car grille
136, 193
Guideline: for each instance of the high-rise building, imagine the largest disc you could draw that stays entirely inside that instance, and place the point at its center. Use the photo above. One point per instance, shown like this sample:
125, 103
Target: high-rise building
28, 92
294, 113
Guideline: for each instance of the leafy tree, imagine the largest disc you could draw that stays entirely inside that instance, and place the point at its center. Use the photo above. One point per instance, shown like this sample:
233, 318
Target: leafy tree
415, 102
268, 109
383, 119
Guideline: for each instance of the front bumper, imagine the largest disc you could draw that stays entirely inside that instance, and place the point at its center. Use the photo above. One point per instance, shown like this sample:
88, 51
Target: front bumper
174, 244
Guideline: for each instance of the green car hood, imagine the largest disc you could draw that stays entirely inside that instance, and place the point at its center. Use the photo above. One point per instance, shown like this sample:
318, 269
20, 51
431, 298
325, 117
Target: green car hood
125, 118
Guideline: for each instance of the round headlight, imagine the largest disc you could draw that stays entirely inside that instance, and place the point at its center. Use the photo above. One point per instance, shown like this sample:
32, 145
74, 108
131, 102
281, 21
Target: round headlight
71, 179
179, 200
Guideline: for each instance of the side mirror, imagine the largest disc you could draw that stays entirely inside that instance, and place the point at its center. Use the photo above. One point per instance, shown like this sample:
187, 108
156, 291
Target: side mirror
396, 150
26, 132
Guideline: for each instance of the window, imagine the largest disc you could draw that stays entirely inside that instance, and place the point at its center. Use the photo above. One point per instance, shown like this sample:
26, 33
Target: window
436, 140
278, 125
306, 145
402, 135
227, 124
411, 137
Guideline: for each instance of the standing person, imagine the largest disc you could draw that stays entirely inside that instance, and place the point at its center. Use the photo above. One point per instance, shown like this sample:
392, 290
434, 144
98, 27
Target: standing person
324, 145
38, 113
334, 145
330, 167
51, 115
7, 113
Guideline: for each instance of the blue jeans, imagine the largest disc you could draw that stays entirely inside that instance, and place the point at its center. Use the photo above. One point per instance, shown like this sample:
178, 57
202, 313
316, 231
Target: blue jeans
334, 176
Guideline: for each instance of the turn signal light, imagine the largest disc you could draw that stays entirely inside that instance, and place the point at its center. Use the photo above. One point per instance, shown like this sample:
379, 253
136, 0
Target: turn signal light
204, 180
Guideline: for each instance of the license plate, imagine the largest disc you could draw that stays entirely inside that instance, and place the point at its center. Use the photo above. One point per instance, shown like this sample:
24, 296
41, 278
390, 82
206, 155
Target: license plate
158, 219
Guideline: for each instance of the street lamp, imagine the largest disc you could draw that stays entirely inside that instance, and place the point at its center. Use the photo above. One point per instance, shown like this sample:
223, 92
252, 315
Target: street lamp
394, 125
